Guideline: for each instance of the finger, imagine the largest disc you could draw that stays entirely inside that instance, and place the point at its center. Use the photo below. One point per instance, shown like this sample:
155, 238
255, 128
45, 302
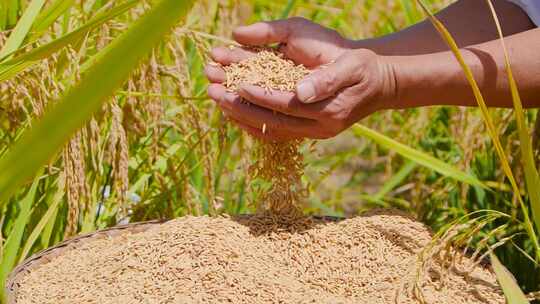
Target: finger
217, 92
266, 135
279, 101
215, 73
258, 117
327, 81
226, 56
262, 33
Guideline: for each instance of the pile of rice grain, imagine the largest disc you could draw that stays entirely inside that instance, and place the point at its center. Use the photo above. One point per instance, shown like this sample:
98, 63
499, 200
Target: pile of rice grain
256, 259
281, 163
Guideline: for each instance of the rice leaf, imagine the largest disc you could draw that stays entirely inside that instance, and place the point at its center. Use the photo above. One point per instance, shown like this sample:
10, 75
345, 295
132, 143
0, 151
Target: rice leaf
288, 8
411, 12
49, 215
512, 292
3, 15
47, 231
492, 131
13, 242
40, 143
532, 179
47, 17
416, 156
23, 26
395, 180
12, 67
12, 11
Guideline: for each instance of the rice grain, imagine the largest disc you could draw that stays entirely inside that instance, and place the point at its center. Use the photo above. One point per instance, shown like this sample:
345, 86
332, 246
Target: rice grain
256, 259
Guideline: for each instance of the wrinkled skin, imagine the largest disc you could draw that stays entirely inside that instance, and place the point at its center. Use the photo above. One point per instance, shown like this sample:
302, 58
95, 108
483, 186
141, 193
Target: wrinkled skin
352, 84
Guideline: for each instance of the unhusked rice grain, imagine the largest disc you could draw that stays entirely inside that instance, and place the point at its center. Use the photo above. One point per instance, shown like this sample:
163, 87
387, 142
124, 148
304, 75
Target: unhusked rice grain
256, 259
279, 163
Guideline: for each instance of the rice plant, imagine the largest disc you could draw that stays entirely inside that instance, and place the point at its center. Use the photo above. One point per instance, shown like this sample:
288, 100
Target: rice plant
91, 138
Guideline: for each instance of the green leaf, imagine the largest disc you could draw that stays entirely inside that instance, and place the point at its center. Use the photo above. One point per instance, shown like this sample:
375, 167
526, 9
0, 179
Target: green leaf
288, 9
512, 292
417, 156
532, 178
3, 15
411, 13
12, 67
395, 180
42, 141
492, 131
49, 216
12, 11
23, 26
47, 17
13, 242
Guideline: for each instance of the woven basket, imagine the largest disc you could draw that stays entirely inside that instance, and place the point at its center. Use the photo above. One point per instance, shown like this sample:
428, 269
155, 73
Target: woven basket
47, 255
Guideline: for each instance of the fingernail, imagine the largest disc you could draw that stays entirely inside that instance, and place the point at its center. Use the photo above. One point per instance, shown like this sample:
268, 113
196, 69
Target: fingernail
305, 91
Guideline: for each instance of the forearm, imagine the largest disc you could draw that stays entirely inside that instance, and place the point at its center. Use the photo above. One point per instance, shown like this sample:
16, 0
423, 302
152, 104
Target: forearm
437, 79
469, 21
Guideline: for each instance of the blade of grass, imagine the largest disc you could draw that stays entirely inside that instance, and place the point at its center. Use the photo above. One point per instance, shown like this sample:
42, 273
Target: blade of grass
3, 15
22, 28
493, 133
532, 179
47, 231
47, 17
288, 9
13, 242
49, 215
411, 12
395, 180
12, 11
41, 142
512, 292
416, 156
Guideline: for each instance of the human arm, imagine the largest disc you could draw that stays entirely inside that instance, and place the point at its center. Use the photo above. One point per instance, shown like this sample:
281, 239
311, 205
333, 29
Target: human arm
437, 79
470, 22
389, 82
359, 82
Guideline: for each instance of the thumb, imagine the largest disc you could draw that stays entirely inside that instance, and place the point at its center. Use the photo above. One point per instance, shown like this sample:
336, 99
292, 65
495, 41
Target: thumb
328, 80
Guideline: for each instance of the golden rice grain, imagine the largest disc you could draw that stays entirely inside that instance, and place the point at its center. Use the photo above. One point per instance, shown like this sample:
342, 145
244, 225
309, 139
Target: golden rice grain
257, 259
281, 164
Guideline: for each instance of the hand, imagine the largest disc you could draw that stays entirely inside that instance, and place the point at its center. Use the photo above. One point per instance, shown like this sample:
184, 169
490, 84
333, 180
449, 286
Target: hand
352, 84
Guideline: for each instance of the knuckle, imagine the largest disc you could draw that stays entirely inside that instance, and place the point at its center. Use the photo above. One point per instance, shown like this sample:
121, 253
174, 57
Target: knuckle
361, 53
325, 82
299, 20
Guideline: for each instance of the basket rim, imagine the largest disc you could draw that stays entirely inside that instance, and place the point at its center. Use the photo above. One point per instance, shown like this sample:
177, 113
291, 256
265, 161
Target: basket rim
40, 257
44, 255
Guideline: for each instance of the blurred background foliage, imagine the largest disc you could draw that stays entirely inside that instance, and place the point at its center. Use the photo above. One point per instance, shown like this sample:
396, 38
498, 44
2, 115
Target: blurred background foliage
160, 149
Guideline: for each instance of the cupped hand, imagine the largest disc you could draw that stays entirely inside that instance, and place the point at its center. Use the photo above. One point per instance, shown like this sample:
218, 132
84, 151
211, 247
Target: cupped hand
346, 85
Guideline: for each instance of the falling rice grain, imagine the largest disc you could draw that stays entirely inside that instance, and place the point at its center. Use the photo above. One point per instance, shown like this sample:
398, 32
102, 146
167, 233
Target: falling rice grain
279, 163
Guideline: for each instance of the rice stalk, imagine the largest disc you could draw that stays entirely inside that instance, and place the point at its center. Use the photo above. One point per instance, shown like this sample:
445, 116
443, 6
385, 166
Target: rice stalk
494, 135
532, 178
